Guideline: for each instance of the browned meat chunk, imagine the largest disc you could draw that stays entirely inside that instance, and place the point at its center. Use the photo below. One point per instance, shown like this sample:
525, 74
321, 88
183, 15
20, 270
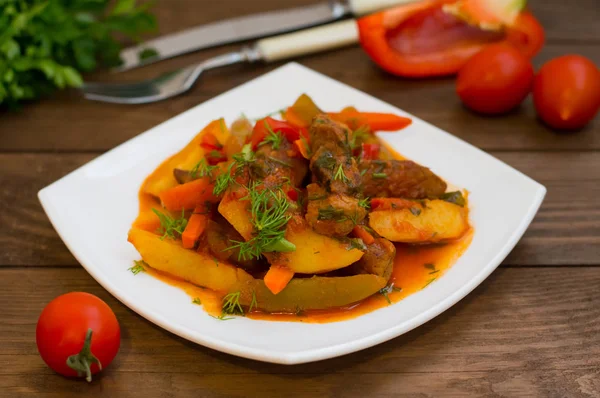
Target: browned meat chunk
276, 165
378, 259
332, 214
333, 206
399, 179
332, 163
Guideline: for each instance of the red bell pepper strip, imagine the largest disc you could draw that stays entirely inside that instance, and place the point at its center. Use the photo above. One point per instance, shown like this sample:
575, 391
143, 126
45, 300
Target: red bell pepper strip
209, 141
265, 126
421, 40
370, 151
374, 121
215, 156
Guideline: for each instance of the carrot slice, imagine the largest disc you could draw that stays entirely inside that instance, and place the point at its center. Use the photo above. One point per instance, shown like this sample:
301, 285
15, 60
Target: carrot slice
363, 234
195, 226
303, 148
189, 195
390, 203
375, 121
277, 278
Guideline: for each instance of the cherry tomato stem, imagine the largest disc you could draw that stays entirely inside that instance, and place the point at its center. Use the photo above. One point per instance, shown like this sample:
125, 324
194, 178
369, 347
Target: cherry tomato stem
82, 362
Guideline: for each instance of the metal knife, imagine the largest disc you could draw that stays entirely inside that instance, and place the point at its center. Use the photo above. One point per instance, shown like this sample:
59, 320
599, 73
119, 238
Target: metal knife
246, 28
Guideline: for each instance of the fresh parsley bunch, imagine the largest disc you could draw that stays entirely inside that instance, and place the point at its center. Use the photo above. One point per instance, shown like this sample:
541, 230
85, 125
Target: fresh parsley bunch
45, 44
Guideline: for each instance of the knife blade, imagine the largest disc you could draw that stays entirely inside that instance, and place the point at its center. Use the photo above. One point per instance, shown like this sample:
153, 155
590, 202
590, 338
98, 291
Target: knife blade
232, 30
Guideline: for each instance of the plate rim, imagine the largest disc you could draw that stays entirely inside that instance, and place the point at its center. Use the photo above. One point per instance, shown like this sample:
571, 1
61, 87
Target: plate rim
311, 355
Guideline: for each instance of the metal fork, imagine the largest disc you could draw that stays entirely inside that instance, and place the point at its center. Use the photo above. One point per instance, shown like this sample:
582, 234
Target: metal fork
267, 50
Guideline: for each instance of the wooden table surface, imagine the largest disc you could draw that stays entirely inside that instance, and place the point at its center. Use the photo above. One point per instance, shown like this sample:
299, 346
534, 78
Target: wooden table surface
531, 329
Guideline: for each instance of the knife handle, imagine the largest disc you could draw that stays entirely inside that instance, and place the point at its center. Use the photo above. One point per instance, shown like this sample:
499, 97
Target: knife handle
322, 38
363, 7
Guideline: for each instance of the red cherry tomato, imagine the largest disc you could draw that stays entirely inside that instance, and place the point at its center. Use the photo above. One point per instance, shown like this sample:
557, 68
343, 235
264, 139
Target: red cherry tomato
78, 334
566, 92
495, 80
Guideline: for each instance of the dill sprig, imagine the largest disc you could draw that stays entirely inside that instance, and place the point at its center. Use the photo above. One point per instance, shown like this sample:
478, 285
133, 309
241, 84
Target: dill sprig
340, 175
365, 203
138, 266
170, 227
240, 160
268, 216
386, 290
231, 304
202, 169
197, 301
222, 317
253, 303
359, 136
273, 138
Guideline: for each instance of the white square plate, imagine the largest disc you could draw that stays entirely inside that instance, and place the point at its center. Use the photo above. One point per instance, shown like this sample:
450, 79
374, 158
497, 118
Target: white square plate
104, 194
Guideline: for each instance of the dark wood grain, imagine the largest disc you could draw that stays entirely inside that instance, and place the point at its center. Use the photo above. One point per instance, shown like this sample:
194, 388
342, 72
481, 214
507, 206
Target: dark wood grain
530, 330
565, 232
478, 346
67, 123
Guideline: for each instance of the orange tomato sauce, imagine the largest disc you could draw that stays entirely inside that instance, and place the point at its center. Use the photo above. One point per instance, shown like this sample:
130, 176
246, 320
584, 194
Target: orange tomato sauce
415, 267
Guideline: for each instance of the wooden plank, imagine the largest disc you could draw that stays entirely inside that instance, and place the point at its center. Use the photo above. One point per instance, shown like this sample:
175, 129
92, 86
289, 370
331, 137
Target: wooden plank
527, 331
565, 232
528, 383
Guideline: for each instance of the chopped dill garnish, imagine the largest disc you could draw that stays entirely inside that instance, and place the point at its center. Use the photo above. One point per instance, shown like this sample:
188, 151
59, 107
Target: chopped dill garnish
358, 136
317, 252
326, 161
268, 211
339, 174
318, 197
429, 266
455, 197
365, 203
222, 317
231, 304
415, 211
197, 301
331, 213
386, 290
202, 169
379, 175
356, 243
240, 160
169, 226
138, 266
253, 303
434, 272
429, 281
273, 138
281, 162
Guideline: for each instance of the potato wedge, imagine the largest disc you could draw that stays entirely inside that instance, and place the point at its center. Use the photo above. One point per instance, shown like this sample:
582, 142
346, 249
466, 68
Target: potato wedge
314, 254
198, 268
237, 213
422, 221
310, 293
162, 178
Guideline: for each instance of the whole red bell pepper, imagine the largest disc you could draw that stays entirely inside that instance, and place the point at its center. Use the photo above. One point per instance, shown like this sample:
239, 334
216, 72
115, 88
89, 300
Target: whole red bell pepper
422, 40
